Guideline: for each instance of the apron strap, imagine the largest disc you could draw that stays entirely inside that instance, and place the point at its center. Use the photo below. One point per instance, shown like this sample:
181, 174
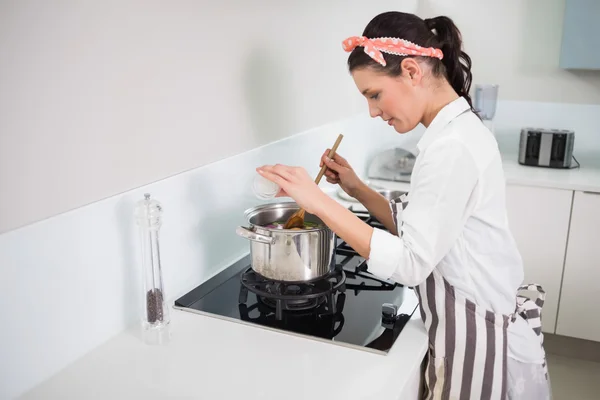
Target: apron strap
538, 290
397, 205
530, 307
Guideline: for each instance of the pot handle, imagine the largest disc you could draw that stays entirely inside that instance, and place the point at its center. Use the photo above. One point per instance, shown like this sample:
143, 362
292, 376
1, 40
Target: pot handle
251, 235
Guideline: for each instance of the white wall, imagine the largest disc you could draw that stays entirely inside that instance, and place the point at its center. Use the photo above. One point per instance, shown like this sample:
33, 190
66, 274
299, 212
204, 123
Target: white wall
516, 44
99, 97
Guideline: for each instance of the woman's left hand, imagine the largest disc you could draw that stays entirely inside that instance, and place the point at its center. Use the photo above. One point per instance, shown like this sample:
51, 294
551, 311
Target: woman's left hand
295, 183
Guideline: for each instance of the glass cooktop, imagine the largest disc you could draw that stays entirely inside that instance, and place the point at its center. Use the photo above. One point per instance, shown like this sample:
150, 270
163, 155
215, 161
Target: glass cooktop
349, 307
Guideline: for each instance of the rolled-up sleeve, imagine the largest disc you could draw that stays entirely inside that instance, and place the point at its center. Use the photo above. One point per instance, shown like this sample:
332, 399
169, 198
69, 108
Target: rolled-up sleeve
441, 199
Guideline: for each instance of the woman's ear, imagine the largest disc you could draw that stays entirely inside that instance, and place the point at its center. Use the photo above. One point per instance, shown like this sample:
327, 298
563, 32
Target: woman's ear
412, 70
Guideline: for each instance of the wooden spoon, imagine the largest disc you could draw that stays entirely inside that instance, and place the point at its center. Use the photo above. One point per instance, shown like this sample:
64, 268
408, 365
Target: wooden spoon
297, 219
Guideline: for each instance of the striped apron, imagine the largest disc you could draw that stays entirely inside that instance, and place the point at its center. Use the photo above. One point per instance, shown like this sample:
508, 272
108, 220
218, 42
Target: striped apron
467, 356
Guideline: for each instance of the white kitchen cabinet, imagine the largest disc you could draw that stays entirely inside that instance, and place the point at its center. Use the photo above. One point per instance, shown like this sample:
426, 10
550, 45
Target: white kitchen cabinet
539, 222
579, 314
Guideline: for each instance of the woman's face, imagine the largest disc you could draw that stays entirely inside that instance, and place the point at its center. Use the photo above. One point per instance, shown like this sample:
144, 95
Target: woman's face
397, 100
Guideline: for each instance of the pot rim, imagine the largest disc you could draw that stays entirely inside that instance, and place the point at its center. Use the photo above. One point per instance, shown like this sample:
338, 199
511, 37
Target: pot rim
249, 213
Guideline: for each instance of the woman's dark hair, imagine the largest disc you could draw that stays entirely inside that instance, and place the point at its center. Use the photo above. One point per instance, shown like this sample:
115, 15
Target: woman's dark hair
438, 32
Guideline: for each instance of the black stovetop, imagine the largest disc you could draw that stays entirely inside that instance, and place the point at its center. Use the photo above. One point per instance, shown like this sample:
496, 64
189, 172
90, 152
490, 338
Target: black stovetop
350, 306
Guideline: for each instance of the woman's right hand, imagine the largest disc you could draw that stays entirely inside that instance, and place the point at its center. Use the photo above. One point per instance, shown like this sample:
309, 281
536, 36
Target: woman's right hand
340, 172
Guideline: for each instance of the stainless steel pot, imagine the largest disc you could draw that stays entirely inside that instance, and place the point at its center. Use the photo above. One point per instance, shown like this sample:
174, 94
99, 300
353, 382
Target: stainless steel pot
285, 254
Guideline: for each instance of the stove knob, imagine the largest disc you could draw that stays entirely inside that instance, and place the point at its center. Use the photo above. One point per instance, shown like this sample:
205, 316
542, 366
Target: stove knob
388, 315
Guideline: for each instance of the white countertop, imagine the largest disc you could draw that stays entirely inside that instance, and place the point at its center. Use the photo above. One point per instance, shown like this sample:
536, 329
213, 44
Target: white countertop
212, 358
584, 178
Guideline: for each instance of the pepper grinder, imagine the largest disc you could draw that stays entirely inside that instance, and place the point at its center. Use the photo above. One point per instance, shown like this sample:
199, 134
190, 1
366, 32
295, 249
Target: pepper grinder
155, 319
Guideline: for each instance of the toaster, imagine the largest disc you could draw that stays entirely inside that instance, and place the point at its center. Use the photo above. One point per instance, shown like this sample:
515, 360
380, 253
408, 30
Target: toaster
551, 148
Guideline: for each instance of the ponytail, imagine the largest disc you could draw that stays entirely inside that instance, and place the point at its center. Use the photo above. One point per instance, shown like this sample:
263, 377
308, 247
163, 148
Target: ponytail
456, 62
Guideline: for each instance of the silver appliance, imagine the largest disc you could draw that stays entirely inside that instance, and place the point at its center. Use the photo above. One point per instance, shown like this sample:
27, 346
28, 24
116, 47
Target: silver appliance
551, 148
392, 165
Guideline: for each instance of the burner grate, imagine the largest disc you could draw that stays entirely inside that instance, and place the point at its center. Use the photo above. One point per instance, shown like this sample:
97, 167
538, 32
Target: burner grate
292, 296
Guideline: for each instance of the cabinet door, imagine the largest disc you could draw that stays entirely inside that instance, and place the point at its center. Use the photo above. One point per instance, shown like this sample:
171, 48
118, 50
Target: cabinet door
539, 222
579, 311
580, 35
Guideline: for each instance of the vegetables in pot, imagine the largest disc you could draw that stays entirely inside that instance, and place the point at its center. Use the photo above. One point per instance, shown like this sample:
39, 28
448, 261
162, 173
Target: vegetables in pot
280, 225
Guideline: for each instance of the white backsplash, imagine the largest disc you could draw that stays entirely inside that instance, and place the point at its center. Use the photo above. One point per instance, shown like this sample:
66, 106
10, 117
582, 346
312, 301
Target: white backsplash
73, 281
584, 119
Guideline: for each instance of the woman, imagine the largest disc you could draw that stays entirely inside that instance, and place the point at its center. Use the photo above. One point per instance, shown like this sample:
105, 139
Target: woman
450, 237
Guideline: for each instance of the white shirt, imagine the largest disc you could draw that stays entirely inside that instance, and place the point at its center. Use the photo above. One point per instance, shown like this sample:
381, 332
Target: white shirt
456, 222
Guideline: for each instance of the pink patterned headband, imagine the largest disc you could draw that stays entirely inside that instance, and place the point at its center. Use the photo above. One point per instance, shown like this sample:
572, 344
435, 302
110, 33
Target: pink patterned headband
399, 47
